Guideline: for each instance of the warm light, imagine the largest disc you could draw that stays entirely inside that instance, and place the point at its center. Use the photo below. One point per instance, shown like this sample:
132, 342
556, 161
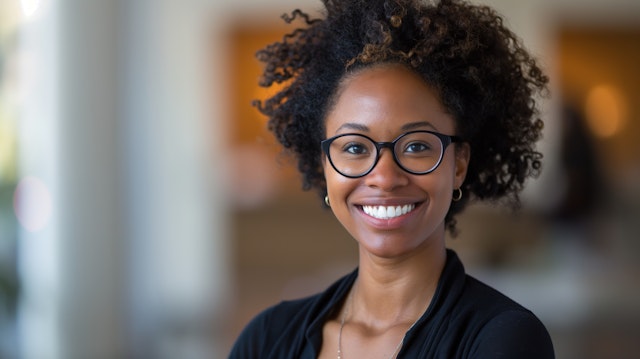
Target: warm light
30, 7
606, 110
32, 203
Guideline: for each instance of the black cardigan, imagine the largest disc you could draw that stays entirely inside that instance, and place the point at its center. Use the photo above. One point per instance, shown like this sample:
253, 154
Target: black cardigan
466, 319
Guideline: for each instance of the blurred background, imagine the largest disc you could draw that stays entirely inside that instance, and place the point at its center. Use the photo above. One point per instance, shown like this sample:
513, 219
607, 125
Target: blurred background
145, 212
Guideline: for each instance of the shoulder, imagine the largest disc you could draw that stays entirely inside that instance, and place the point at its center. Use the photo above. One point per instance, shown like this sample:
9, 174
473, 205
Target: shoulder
269, 326
470, 319
281, 330
505, 328
513, 334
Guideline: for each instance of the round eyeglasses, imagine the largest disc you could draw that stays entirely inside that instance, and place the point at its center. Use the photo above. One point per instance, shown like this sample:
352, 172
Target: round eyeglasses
416, 152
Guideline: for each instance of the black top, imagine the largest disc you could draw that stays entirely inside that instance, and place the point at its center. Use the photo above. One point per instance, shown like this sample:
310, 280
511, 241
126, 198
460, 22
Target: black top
466, 319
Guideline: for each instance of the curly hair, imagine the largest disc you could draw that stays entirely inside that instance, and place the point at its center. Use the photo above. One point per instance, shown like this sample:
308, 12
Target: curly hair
485, 78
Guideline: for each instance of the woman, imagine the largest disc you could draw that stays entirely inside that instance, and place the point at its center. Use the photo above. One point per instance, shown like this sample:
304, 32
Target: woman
399, 112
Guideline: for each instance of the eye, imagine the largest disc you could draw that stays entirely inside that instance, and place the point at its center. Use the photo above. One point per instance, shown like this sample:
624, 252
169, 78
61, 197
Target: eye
355, 148
417, 147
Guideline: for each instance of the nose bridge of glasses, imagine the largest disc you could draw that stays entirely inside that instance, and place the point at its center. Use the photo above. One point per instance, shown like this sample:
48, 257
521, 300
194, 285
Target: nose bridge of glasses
391, 156
388, 145
382, 145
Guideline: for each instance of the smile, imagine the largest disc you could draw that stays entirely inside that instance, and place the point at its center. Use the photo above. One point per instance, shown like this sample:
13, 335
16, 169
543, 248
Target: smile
388, 212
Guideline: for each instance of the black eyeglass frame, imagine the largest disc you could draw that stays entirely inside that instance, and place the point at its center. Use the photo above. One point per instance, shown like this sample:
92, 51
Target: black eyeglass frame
445, 140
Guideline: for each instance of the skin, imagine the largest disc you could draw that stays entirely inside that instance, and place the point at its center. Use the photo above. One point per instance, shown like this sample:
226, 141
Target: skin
400, 259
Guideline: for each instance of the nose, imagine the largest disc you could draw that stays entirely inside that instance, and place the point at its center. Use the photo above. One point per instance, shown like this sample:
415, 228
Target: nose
387, 174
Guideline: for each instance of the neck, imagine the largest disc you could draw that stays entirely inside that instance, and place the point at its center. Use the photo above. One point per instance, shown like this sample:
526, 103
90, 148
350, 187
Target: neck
393, 292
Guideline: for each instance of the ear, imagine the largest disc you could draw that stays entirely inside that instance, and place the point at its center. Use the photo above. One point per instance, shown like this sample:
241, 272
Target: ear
463, 155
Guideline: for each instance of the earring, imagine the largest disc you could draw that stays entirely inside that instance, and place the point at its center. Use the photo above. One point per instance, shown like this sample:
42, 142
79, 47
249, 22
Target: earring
457, 194
326, 201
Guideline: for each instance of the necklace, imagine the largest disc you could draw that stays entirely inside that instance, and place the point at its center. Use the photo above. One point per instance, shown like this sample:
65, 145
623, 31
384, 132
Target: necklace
343, 319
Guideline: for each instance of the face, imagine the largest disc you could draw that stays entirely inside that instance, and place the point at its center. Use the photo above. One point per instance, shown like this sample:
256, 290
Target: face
383, 103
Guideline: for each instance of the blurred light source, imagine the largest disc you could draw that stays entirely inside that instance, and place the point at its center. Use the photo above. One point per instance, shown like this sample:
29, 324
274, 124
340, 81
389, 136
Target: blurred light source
32, 203
30, 7
606, 110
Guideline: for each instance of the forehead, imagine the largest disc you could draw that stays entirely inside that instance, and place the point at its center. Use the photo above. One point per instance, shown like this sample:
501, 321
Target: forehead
384, 99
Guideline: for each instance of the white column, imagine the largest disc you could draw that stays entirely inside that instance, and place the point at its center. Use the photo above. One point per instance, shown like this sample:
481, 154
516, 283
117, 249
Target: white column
131, 261
72, 239
175, 197
39, 197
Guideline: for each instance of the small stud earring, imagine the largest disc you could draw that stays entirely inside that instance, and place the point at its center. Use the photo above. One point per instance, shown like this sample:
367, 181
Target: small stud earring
326, 201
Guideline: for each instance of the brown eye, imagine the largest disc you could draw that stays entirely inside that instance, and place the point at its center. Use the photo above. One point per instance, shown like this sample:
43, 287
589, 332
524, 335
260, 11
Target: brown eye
417, 147
355, 148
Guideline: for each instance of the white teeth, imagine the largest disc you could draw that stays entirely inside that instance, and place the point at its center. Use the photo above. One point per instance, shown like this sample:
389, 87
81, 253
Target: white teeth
388, 212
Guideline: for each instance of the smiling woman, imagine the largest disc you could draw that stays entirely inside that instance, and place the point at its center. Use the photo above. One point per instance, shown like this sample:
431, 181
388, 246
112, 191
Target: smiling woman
383, 102
399, 112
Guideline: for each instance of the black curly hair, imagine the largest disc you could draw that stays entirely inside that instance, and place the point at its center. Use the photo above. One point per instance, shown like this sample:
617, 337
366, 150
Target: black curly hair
485, 78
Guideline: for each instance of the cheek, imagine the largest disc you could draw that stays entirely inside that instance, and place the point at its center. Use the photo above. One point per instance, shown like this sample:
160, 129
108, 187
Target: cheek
437, 188
338, 185
449, 170
441, 183
339, 188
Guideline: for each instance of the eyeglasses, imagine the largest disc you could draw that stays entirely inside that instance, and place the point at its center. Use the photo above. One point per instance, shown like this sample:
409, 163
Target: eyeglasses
416, 152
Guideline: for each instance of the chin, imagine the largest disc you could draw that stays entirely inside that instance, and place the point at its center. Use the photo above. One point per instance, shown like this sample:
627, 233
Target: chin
387, 246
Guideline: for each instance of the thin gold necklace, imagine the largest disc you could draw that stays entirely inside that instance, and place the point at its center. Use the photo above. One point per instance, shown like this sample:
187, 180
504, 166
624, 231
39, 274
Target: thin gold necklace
344, 317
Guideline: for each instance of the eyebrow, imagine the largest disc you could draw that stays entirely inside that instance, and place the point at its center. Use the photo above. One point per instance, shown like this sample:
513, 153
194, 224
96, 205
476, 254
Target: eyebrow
353, 126
416, 125
406, 127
